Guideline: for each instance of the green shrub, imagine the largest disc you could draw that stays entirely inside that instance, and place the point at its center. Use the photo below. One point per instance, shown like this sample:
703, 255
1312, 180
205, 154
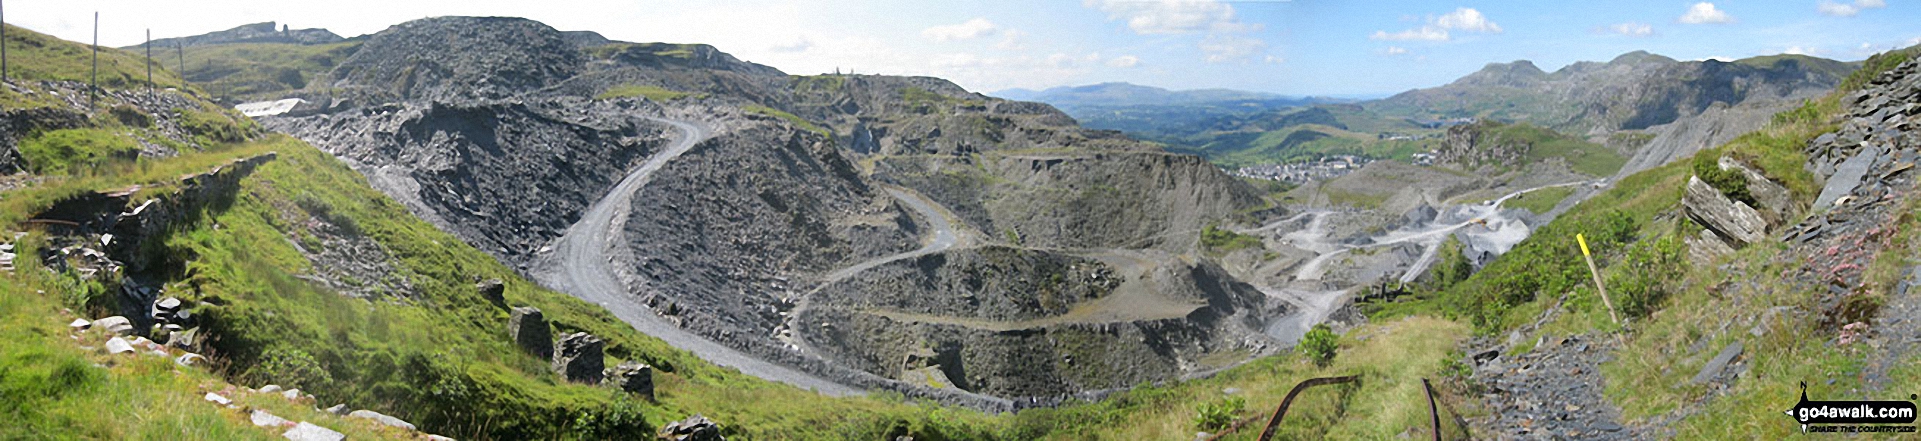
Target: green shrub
1320, 344
293, 368
1217, 415
1731, 183
1645, 278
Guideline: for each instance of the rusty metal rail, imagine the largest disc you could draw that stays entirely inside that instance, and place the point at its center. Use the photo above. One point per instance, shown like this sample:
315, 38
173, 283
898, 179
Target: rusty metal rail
1274, 422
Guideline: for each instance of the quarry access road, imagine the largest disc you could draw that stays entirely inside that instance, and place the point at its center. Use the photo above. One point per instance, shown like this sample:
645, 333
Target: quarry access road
578, 264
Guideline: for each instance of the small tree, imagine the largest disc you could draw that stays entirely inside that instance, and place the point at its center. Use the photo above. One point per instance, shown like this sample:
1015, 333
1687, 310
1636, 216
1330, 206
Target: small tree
1218, 414
1320, 344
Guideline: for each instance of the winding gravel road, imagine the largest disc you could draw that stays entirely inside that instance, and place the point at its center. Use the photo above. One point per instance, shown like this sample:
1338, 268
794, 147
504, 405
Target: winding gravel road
577, 264
943, 238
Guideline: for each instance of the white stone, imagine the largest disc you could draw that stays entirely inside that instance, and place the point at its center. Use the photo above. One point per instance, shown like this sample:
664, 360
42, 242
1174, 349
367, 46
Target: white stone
217, 399
116, 324
118, 345
80, 324
291, 394
271, 388
263, 419
189, 359
306, 431
381, 418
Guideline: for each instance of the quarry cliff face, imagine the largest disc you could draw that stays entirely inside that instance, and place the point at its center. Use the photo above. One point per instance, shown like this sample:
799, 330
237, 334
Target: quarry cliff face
504, 131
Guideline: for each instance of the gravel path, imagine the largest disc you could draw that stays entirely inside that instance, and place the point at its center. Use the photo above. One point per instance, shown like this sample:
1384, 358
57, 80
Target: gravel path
1552, 392
577, 265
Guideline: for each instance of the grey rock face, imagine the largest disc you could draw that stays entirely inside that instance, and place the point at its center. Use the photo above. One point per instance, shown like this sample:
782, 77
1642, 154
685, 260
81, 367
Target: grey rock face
506, 177
529, 329
447, 57
1846, 177
1729, 219
634, 377
580, 358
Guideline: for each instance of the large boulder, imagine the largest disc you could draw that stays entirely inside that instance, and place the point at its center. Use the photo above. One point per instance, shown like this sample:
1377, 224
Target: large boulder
579, 358
116, 324
694, 428
1773, 198
1733, 221
634, 377
529, 329
494, 291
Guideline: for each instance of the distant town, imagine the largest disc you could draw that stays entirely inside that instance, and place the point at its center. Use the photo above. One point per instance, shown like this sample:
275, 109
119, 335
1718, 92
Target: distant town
1304, 172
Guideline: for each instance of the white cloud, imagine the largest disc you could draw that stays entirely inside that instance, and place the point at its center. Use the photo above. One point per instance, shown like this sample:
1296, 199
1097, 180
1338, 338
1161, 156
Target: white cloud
967, 30
796, 44
1124, 61
1467, 19
1221, 48
1913, 41
1427, 33
1011, 39
1395, 50
1173, 16
1829, 7
1436, 29
1272, 59
1225, 40
1705, 12
1632, 29
1799, 50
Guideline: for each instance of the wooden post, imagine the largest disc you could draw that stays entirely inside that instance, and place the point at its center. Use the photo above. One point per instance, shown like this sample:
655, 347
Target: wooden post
1597, 278
3, 44
93, 86
149, 46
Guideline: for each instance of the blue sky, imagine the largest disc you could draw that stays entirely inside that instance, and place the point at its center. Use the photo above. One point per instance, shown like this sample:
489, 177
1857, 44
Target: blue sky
1298, 47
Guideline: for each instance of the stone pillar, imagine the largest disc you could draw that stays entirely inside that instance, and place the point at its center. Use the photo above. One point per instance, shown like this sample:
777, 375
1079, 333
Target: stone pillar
579, 358
529, 329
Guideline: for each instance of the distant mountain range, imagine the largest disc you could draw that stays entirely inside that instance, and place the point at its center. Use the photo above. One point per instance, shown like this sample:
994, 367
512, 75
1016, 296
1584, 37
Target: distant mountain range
1634, 91
1136, 108
1128, 94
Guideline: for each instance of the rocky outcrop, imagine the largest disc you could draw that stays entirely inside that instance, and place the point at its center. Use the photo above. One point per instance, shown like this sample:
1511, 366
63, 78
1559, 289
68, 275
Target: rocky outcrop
506, 177
1118, 199
452, 58
726, 232
1733, 221
694, 428
268, 32
633, 377
966, 319
494, 291
578, 358
529, 330
381, 418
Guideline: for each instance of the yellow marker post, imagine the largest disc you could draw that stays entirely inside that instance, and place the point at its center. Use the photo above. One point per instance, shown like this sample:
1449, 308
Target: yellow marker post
1597, 277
